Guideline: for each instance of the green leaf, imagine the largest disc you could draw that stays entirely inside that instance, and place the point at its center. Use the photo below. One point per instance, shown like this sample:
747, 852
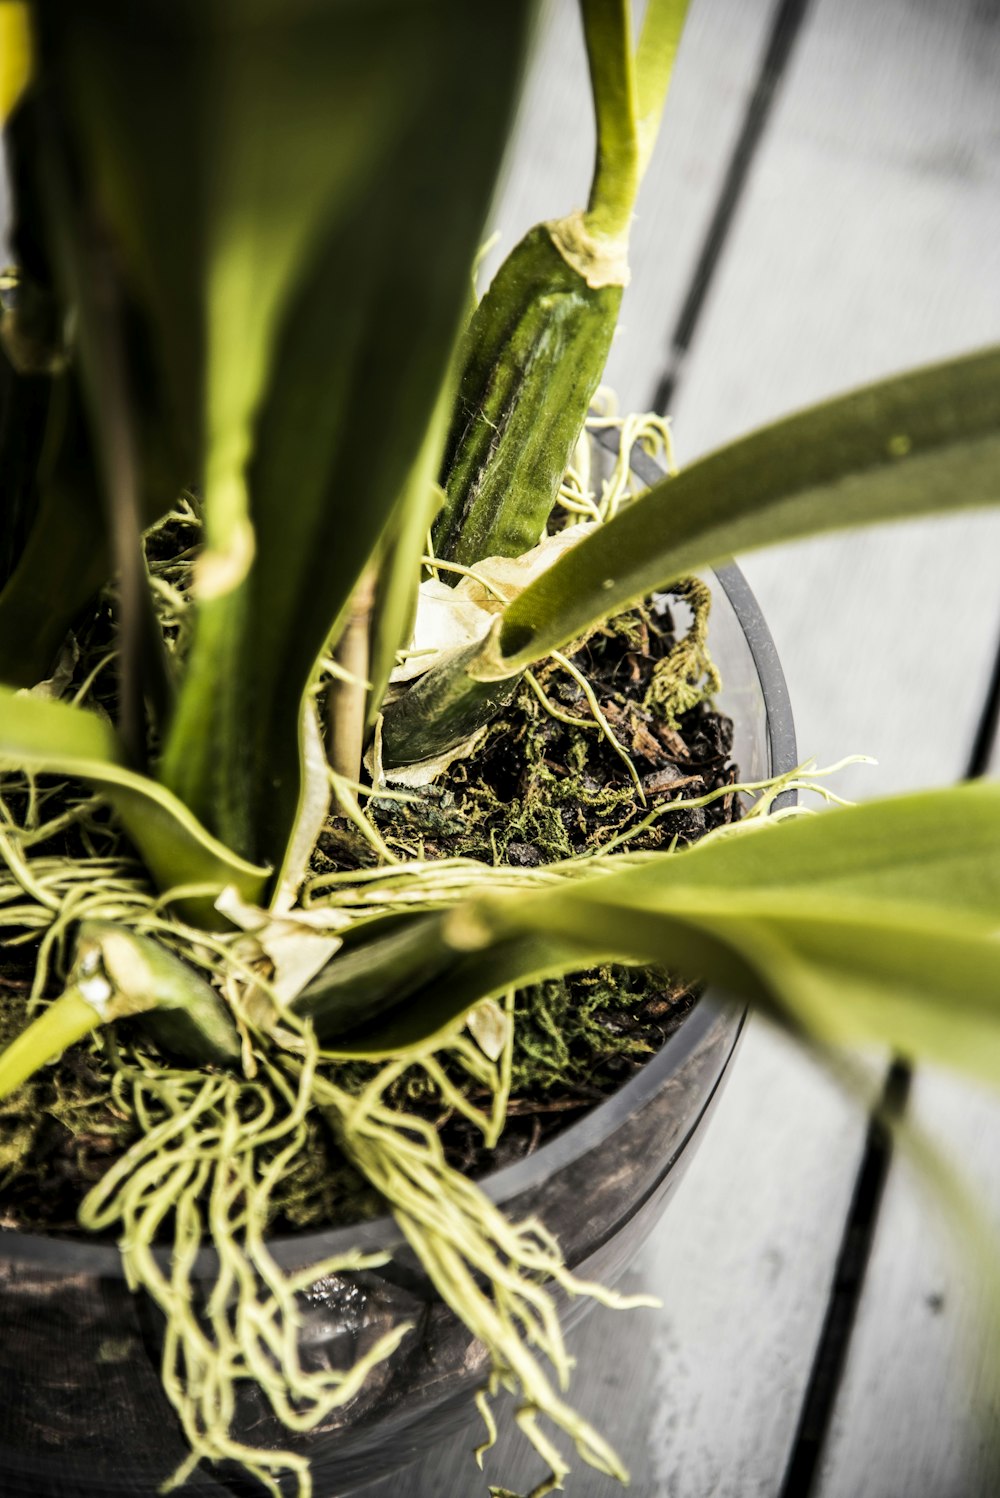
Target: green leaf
141, 977
376, 971
839, 974
68, 1019
912, 445
393, 1028
876, 924
364, 352
53, 737
117, 974
24, 401
15, 56
100, 481
298, 243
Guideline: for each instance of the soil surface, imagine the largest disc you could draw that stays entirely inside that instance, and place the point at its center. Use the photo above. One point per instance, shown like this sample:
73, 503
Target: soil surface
539, 788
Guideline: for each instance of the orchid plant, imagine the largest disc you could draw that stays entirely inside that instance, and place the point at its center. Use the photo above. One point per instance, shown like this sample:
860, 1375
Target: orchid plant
240, 318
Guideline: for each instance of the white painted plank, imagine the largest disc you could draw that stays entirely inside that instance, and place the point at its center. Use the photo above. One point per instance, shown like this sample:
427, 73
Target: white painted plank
870, 241
861, 247
742, 1265
919, 1407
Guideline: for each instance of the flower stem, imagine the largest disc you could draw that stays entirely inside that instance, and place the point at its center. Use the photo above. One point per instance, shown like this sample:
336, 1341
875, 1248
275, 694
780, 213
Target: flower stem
630, 90
607, 26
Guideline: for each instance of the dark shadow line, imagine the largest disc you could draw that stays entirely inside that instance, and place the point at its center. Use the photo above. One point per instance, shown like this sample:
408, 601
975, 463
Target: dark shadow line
845, 1293
984, 743
859, 1232
785, 28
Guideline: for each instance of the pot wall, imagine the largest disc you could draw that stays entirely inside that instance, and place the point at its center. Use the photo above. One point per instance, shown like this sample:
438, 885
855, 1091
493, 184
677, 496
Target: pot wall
83, 1412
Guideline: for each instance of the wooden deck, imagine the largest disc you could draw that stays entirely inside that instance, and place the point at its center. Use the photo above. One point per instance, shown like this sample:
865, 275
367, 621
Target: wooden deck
866, 238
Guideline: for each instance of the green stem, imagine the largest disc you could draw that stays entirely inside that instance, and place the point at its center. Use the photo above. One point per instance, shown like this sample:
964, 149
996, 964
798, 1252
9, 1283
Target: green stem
607, 26
630, 91
67, 1020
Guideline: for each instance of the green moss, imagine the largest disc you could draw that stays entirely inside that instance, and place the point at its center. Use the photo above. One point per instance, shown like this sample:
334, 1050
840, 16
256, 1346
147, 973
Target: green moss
542, 787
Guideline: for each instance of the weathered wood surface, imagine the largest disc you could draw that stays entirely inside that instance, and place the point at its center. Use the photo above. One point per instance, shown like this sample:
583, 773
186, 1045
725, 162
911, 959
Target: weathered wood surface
877, 193
919, 1407
924, 1356
869, 240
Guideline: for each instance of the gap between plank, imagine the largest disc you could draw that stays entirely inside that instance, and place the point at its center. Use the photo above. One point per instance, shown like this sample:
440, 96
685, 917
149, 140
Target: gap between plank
862, 1218
785, 28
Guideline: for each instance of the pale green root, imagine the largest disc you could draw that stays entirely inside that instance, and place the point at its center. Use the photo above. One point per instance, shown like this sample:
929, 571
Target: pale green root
494, 1274
212, 1151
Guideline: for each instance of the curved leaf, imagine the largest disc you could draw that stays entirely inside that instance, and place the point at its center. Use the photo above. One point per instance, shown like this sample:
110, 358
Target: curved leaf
906, 447
876, 924
52, 736
298, 245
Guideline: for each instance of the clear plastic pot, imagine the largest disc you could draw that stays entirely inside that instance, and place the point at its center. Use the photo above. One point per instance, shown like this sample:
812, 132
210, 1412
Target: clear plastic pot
82, 1411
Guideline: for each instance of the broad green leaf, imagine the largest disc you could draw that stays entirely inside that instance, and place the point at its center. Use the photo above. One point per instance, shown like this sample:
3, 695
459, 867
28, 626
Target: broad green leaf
837, 972
410, 1019
375, 972
53, 737
919, 443
938, 848
24, 401
876, 924
364, 351
298, 244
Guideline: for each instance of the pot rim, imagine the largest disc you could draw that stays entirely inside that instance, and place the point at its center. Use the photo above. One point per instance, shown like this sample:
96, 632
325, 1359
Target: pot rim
86, 1257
